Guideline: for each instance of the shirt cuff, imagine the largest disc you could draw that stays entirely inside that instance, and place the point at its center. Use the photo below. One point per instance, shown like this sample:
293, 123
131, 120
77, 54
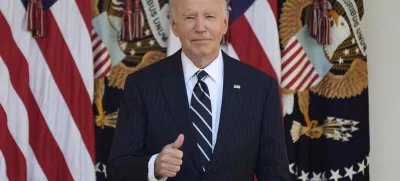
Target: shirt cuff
150, 175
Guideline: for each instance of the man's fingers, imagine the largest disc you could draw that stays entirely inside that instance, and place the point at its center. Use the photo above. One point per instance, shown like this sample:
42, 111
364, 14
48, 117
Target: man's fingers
171, 160
176, 154
168, 170
166, 173
178, 142
173, 168
174, 161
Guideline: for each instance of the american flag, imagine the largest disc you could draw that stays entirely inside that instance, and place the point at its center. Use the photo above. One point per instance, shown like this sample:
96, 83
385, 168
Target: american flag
253, 35
46, 93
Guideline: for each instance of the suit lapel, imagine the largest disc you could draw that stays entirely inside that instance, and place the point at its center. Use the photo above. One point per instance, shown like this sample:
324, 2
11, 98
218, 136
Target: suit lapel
175, 92
231, 100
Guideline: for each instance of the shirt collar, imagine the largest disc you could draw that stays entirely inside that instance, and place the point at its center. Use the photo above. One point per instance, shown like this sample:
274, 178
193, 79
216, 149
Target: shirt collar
214, 70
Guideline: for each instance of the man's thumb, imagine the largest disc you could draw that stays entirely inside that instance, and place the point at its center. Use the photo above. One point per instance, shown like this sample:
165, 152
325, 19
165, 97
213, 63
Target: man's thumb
178, 142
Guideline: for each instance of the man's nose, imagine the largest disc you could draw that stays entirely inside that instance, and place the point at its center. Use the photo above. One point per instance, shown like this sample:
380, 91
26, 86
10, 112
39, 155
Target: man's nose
200, 26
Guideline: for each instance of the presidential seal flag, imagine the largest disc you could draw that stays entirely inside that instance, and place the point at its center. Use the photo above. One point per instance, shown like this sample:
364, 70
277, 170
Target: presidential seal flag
325, 89
134, 34
46, 90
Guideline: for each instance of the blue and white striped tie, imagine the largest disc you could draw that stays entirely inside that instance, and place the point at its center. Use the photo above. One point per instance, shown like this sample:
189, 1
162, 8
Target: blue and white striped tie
200, 107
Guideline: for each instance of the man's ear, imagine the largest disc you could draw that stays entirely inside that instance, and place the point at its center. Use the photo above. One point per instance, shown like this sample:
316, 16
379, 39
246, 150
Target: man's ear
226, 22
172, 24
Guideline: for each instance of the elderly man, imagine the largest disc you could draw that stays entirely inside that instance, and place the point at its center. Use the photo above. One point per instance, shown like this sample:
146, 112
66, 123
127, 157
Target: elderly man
199, 114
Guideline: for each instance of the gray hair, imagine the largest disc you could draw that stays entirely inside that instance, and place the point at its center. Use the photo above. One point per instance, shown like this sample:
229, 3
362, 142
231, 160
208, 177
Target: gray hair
173, 13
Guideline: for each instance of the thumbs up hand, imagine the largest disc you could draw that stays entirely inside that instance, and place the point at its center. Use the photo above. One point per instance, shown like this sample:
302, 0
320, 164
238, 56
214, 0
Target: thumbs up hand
169, 160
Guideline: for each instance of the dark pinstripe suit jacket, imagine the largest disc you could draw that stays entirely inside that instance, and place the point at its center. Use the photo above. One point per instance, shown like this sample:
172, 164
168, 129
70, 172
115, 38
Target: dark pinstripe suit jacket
154, 111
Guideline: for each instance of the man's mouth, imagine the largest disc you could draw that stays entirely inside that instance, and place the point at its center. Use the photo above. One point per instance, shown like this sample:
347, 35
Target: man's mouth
200, 40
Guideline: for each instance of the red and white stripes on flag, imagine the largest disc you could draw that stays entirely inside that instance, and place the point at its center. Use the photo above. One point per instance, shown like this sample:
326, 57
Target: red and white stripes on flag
46, 93
255, 39
298, 73
101, 58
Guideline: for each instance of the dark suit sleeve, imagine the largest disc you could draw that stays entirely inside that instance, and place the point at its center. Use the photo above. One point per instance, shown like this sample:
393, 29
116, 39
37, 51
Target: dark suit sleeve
272, 163
128, 161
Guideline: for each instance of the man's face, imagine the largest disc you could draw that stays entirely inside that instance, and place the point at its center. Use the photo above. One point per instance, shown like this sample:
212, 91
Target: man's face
200, 25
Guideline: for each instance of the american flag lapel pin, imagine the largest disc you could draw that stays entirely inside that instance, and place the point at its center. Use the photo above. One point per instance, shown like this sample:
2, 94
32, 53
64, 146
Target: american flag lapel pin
236, 86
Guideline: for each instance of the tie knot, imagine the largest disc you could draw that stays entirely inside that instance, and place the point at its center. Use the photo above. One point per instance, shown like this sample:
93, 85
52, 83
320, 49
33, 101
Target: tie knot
201, 74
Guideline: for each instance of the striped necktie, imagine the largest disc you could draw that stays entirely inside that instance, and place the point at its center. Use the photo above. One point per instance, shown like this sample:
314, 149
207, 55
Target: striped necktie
200, 107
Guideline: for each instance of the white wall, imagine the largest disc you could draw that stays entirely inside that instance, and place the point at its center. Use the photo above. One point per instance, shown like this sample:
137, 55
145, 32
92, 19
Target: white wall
382, 32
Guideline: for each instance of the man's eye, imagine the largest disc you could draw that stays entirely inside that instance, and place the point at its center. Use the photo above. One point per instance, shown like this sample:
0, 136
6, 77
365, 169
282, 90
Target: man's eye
209, 17
190, 17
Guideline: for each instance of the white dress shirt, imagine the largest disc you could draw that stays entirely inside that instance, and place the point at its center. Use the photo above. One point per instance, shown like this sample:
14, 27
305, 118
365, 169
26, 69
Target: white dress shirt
214, 81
